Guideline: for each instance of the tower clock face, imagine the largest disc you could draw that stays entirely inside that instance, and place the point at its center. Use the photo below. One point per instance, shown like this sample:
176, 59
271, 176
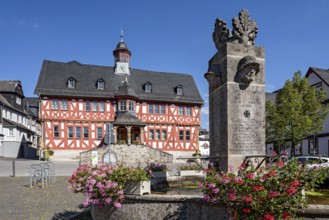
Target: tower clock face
122, 68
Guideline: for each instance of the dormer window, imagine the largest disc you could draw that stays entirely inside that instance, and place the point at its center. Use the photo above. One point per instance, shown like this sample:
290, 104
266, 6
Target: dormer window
179, 90
148, 87
100, 84
71, 83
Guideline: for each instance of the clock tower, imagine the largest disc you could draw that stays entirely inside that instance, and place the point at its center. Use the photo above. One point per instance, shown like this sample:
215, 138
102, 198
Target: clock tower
122, 58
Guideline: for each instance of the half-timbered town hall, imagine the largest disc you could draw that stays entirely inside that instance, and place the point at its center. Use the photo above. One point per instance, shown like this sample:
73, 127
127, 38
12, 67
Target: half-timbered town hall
158, 109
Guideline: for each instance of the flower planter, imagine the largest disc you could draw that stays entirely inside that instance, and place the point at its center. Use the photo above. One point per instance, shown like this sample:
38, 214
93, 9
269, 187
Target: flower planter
160, 174
192, 173
138, 188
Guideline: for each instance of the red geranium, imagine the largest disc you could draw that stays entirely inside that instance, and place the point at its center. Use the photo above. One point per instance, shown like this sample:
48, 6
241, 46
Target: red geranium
246, 210
269, 217
285, 215
291, 191
247, 199
258, 188
280, 164
295, 183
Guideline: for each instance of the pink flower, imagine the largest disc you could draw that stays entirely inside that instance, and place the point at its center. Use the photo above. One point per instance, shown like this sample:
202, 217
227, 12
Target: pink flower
215, 191
280, 164
250, 176
211, 185
224, 181
117, 205
108, 200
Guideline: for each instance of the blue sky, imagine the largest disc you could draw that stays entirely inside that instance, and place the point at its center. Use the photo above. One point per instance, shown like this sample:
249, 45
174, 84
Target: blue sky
169, 36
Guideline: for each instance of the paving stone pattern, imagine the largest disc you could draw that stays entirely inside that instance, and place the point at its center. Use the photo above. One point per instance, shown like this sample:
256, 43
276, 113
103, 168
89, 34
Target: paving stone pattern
18, 201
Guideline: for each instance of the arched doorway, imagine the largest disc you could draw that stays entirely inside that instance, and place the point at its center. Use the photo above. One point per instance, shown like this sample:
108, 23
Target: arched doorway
122, 135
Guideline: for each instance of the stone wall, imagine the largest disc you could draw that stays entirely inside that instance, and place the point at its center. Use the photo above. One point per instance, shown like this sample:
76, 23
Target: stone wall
161, 207
128, 154
180, 207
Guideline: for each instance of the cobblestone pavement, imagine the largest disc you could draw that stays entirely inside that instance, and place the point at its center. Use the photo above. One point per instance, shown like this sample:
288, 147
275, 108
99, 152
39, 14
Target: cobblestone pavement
19, 202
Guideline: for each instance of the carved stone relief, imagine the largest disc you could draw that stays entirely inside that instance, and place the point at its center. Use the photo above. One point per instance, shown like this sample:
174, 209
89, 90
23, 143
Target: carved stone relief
247, 69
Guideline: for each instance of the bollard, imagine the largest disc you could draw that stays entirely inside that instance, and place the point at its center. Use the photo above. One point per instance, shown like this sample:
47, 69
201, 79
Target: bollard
14, 171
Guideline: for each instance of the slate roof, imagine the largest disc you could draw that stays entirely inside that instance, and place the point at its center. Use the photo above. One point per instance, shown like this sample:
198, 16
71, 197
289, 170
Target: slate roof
31, 106
322, 73
128, 119
54, 75
10, 86
4, 101
7, 122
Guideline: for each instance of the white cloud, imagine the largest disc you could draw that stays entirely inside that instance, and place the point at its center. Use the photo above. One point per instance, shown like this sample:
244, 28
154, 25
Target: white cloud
205, 110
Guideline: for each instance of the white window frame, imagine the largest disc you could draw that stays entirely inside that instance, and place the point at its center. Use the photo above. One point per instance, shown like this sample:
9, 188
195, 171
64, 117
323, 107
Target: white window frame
95, 106
101, 84
188, 111
18, 100
123, 105
65, 105
101, 106
131, 106
99, 132
11, 132
70, 132
54, 104
71, 83
180, 110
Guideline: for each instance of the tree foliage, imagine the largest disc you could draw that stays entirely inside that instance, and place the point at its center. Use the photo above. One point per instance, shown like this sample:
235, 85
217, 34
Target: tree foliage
299, 111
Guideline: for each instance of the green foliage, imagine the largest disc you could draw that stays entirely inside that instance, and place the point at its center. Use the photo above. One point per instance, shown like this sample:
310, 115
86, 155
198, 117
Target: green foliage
298, 112
272, 192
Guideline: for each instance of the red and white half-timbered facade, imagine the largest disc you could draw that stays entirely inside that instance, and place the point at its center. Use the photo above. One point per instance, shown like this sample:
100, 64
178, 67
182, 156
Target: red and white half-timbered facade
159, 110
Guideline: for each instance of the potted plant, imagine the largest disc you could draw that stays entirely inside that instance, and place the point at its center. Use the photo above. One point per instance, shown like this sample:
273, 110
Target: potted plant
48, 154
191, 170
106, 185
157, 170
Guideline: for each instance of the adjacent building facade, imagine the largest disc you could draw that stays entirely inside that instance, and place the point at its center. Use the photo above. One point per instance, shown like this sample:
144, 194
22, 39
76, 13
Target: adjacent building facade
314, 144
20, 130
79, 102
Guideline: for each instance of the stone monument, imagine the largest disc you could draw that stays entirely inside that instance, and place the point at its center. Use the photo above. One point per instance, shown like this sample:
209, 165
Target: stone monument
236, 77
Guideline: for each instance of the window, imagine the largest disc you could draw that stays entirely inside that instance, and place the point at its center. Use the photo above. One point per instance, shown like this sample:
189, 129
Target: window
151, 134
70, 132
87, 107
131, 106
65, 105
157, 132
122, 105
187, 135
156, 109
56, 132
122, 57
162, 109
181, 135
54, 104
18, 100
11, 132
180, 110
78, 132
164, 135
85, 132
100, 84
99, 133
95, 106
148, 87
150, 109
101, 106
179, 90
71, 83
188, 111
